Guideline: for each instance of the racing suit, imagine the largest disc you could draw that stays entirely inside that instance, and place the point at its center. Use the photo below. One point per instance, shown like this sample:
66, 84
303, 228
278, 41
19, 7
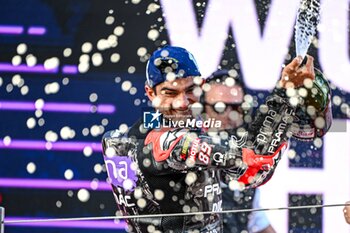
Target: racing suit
171, 171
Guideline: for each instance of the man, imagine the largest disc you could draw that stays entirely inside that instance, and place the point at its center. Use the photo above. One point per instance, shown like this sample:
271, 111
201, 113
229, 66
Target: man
173, 172
223, 101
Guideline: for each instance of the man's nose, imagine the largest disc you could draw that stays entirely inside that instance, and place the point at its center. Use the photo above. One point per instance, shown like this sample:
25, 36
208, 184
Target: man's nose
181, 102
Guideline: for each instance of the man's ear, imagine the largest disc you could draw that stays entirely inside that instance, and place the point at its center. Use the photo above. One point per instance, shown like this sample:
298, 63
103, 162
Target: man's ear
150, 92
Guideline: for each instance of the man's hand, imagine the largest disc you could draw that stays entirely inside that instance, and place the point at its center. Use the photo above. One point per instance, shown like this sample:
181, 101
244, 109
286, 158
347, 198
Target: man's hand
268, 229
346, 211
294, 76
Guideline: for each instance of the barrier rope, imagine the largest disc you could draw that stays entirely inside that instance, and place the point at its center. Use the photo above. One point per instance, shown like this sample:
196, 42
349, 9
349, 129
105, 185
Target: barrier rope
170, 214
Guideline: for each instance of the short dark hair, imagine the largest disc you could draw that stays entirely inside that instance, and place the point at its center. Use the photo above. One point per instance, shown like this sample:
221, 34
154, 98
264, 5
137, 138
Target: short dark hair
220, 76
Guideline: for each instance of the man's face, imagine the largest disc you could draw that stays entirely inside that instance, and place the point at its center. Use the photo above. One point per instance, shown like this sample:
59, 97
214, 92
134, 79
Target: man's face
173, 98
223, 103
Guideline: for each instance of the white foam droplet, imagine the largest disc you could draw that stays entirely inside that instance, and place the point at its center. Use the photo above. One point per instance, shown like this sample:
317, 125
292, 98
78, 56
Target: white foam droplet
141, 51
318, 142
94, 184
51, 136
97, 59
24, 90
87, 151
51, 63
141, 203
31, 123
153, 34
16, 80
68, 174
7, 140
31, 60
159, 194
83, 195
67, 52
126, 85
98, 168
291, 154
110, 152
86, 47
22, 48
109, 20
93, 97
320, 122
131, 69
118, 31
123, 128
191, 177
16, 60
115, 57
31, 168
83, 67
127, 184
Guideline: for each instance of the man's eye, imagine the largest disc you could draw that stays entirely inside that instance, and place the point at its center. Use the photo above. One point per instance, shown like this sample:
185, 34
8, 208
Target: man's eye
190, 91
170, 93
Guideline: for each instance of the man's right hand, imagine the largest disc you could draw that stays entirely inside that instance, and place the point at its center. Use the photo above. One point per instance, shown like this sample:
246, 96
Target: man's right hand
294, 75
